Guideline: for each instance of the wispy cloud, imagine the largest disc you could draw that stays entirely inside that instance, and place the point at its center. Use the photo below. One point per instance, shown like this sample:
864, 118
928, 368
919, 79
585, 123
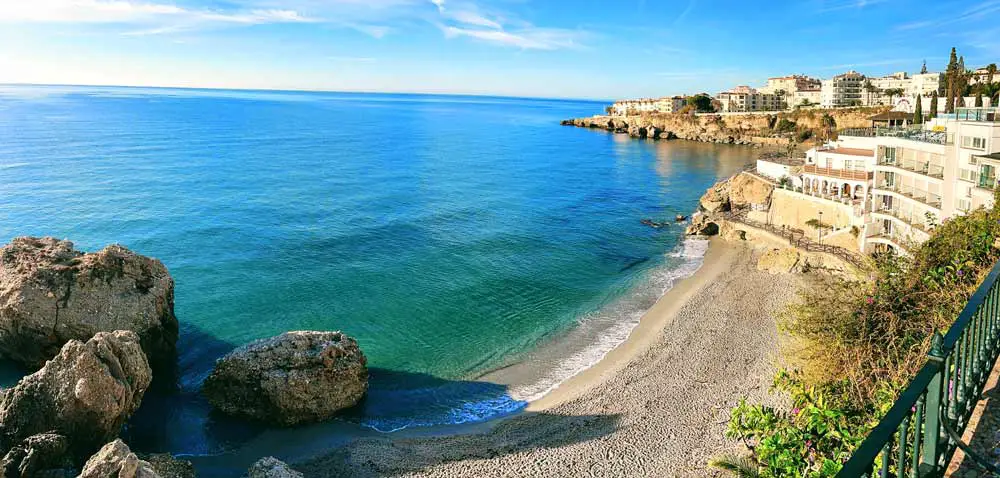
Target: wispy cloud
467, 20
826, 6
980, 11
898, 61
352, 59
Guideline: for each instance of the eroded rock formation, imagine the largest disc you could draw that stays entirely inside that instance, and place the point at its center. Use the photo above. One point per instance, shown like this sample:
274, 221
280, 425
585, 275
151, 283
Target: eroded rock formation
271, 467
51, 293
296, 377
85, 393
116, 460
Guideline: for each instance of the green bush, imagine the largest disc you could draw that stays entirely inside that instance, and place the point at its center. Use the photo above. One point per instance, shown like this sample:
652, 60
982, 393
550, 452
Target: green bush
785, 125
859, 342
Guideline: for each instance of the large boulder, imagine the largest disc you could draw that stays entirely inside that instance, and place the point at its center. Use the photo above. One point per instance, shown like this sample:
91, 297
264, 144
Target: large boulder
116, 460
271, 467
716, 199
85, 393
169, 466
296, 377
51, 293
702, 225
746, 190
45, 455
779, 261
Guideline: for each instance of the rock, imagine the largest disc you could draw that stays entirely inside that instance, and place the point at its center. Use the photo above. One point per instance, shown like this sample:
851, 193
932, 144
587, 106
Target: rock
43, 455
680, 218
85, 393
116, 460
746, 190
702, 225
296, 377
779, 261
271, 467
733, 234
716, 199
169, 466
51, 293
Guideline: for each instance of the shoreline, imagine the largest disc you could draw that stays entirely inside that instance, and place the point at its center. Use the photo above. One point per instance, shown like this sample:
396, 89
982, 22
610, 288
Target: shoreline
653, 322
655, 405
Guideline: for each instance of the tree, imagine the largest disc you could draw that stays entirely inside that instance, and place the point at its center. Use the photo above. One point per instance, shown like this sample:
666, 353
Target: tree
610, 110
951, 75
918, 111
894, 92
923, 69
991, 70
701, 103
829, 125
934, 106
870, 88
979, 99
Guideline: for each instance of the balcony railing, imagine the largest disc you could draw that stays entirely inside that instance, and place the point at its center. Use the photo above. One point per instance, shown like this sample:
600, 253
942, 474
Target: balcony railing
985, 115
922, 167
911, 133
925, 197
917, 221
837, 173
921, 431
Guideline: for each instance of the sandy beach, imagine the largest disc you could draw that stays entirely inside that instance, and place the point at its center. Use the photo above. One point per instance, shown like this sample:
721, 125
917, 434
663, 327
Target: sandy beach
655, 406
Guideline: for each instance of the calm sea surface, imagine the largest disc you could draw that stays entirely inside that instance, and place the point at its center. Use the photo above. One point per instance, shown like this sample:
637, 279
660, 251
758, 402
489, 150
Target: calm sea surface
452, 236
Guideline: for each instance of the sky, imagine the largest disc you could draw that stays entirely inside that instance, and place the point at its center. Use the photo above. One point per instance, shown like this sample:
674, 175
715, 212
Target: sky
595, 49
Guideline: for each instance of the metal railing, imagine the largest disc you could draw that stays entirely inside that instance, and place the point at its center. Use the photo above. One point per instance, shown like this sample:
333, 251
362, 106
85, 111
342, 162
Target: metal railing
918, 221
797, 238
837, 173
915, 133
918, 436
924, 197
921, 167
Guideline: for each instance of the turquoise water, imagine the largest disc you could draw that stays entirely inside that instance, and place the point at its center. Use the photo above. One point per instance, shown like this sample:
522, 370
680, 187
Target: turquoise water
451, 236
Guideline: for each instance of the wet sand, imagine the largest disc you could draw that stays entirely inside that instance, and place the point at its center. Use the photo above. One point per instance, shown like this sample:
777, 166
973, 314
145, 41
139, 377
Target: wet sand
655, 406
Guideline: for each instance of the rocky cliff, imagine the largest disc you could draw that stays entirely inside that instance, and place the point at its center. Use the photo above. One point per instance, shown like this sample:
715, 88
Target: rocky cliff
762, 128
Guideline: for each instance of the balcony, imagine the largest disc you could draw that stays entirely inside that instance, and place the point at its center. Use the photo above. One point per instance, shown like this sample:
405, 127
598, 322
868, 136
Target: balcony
921, 167
917, 221
910, 133
837, 173
980, 115
924, 197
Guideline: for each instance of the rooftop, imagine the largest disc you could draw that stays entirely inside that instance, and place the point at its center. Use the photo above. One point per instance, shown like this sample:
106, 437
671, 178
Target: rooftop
892, 115
868, 153
993, 156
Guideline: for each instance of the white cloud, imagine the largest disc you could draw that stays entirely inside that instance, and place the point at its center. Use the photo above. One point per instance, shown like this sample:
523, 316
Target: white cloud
130, 12
466, 20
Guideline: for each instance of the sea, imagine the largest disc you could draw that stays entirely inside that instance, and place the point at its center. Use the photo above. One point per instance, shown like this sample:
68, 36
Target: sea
455, 237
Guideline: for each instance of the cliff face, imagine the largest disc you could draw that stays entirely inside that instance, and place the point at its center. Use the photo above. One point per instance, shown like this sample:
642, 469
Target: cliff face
732, 129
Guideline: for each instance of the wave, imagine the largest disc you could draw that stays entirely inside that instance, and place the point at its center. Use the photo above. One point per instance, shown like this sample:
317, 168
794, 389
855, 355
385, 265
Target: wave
612, 325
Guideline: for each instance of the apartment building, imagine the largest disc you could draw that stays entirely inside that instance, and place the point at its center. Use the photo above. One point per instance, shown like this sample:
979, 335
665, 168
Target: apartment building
843, 90
648, 105
791, 84
746, 99
894, 185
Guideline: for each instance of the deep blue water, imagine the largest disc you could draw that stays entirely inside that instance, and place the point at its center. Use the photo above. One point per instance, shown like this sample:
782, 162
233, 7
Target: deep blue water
450, 235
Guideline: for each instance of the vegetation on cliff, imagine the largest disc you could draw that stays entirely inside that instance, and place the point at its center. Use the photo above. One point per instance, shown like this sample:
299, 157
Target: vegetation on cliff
857, 345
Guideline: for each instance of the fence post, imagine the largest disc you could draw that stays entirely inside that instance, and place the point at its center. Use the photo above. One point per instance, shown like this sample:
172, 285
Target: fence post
932, 410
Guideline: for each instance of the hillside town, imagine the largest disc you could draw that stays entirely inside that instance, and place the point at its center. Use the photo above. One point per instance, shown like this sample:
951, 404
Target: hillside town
899, 91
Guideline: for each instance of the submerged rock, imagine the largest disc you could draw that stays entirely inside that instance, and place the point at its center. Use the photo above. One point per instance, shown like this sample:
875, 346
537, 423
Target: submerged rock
271, 467
296, 377
51, 293
85, 394
116, 460
43, 455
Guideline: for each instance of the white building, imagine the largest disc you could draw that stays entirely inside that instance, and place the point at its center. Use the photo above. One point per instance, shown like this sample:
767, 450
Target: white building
843, 90
902, 182
648, 105
745, 99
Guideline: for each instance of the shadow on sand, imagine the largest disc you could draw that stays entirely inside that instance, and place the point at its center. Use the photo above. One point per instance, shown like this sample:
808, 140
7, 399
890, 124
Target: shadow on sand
416, 408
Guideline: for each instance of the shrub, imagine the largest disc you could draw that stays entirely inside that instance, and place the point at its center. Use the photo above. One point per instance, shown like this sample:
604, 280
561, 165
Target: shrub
804, 135
785, 125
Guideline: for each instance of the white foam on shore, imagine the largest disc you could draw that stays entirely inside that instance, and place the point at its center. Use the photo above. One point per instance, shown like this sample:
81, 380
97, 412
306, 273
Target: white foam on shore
613, 324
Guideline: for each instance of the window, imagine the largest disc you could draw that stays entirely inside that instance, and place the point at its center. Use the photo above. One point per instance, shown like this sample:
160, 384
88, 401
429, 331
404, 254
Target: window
890, 155
964, 205
973, 142
968, 175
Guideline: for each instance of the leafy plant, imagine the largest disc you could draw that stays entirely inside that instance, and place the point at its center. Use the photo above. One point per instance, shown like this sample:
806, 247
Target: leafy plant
740, 466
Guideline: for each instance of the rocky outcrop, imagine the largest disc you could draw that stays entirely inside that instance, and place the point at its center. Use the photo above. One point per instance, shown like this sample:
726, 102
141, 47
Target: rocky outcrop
116, 460
45, 455
169, 466
746, 190
716, 198
51, 293
85, 394
702, 225
271, 467
779, 261
296, 377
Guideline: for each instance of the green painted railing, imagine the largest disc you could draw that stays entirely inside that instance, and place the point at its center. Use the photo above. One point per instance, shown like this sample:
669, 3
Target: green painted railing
922, 430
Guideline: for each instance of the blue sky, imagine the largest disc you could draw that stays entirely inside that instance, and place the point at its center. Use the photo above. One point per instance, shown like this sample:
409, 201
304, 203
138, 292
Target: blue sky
582, 48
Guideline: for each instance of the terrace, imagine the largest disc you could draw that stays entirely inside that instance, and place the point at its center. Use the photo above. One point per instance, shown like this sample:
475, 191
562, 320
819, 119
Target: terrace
925, 168
924, 197
910, 133
837, 173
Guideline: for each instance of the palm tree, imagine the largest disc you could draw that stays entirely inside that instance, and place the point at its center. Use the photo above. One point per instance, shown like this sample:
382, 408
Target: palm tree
893, 92
741, 466
979, 99
991, 70
870, 88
